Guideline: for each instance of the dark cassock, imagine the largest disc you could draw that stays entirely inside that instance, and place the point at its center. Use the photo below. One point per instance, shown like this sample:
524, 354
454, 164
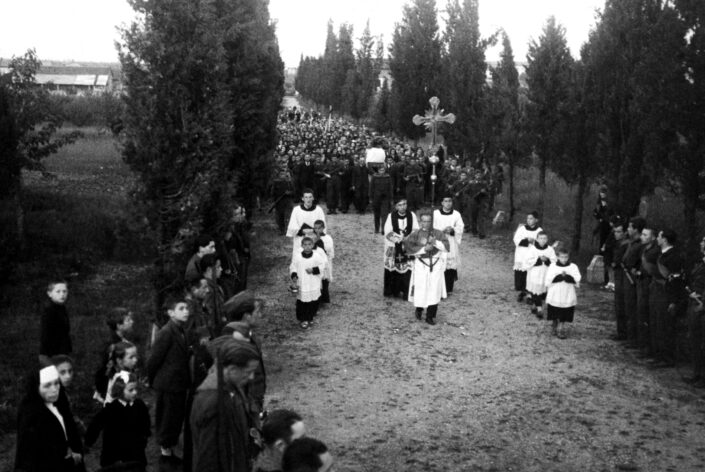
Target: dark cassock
397, 263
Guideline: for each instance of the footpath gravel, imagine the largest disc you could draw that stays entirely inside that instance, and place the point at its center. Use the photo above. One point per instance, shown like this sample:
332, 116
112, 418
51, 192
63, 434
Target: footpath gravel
487, 389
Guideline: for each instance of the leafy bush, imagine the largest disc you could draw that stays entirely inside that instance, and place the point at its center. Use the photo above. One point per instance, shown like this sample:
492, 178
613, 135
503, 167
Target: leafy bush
89, 110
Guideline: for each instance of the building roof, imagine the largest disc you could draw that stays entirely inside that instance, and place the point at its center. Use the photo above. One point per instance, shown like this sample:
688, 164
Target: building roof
87, 74
78, 80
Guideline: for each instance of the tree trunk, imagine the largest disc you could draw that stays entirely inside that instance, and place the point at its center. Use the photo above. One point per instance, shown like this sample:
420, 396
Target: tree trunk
19, 215
691, 194
578, 215
542, 185
512, 210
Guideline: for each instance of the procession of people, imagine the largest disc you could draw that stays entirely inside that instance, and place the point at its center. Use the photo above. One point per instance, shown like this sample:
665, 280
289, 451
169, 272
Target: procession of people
336, 163
653, 294
206, 366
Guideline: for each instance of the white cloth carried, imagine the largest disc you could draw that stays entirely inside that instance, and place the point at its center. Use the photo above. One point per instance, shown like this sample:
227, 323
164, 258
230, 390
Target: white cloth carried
329, 248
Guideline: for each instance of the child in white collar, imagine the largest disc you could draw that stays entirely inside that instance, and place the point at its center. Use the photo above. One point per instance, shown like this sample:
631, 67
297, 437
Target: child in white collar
124, 422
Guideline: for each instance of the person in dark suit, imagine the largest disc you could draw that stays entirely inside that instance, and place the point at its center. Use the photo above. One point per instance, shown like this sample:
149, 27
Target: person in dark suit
55, 337
47, 436
125, 425
346, 185
306, 173
219, 419
168, 374
670, 266
361, 185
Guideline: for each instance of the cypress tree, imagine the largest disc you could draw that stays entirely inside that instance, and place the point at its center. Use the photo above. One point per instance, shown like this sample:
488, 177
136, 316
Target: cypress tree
415, 63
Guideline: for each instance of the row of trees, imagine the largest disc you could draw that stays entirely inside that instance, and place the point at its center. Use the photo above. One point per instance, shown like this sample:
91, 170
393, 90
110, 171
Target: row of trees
204, 83
28, 133
343, 78
203, 87
628, 111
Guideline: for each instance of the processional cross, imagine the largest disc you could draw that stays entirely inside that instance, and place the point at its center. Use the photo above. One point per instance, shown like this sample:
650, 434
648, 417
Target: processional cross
431, 120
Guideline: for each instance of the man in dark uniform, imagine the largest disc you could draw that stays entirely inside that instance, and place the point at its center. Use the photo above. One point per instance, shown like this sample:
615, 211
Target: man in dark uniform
282, 192
361, 185
637, 321
460, 191
306, 173
346, 185
478, 194
319, 186
620, 281
395, 172
331, 172
696, 320
670, 268
381, 191
413, 179
656, 302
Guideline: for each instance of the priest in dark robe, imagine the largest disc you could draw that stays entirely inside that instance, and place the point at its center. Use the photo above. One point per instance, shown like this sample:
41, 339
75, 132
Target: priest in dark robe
430, 249
397, 263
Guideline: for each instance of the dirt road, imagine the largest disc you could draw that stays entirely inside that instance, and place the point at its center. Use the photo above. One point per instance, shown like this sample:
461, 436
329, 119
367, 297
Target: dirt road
487, 389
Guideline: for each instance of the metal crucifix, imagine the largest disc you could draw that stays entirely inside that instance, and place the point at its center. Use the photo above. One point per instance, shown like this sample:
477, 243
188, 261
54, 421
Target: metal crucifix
430, 120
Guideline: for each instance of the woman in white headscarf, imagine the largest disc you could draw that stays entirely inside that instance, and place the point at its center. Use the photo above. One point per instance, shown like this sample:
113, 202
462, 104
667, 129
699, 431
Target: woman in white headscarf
47, 437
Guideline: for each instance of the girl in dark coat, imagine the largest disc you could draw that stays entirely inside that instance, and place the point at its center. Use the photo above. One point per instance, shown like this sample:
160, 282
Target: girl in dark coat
125, 425
47, 437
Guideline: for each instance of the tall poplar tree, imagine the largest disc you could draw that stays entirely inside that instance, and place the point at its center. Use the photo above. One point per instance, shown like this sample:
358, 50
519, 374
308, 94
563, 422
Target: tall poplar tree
368, 69
344, 62
199, 116
329, 68
255, 84
688, 161
464, 78
548, 77
636, 67
511, 104
415, 64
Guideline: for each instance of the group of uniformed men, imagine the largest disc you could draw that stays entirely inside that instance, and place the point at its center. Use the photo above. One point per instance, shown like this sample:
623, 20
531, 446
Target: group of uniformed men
654, 296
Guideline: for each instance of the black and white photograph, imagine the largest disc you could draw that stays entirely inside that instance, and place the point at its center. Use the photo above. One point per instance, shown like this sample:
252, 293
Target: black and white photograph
352, 236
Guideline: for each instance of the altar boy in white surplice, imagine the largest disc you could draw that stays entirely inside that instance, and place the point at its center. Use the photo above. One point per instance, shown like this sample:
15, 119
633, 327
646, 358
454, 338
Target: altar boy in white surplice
451, 223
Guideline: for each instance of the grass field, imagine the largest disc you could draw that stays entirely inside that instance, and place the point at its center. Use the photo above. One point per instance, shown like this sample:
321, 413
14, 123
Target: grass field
80, 227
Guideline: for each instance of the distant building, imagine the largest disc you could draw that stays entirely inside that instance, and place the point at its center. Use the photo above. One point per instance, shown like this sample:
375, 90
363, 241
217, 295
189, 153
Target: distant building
76, 78
385, 73
289, 80
521, 69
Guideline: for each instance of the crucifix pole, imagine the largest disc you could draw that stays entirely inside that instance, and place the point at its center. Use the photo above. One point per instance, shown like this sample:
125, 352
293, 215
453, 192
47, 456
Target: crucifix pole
430, 120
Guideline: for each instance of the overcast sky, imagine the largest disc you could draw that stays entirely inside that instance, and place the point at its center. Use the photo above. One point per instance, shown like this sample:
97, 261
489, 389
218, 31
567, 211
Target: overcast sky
85, 30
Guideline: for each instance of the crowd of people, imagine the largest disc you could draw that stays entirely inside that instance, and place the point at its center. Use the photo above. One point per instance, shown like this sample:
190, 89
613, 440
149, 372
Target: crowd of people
205, 369
330, 157
335, 162
205, 365
654, 296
